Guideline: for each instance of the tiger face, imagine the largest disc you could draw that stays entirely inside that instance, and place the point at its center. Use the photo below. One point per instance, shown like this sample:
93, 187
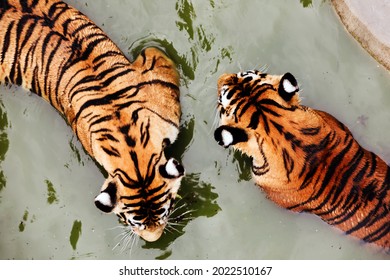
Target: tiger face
254, 107
141, 187
144, 203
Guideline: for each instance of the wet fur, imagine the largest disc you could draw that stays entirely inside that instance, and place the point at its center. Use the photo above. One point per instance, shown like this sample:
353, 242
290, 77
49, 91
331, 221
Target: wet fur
304, 159
123, 113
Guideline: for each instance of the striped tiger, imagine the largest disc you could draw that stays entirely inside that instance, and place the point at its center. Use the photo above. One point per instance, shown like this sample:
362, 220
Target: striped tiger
304, 159
123, 113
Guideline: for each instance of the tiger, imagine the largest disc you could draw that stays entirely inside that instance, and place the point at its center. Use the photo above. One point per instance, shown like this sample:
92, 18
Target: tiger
304, 159
123, 113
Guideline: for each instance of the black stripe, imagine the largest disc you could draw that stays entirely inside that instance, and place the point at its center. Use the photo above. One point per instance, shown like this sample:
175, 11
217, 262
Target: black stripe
371, 217
59, 8
330, 173
100, 120
146, 135
258, 90
111, 151
345, 176
381, 232
107, 136
104, 56
134, 158
310, 131
373, 165
22, 24
81, 27
129, 183
151, 66
7, 39
5, 5
96, 78
146, 193
91, 47
35, 85
113, 77
25, 7
255, 119
50, 58
313, 167
278, 127
353, 207
109, 98
288, 163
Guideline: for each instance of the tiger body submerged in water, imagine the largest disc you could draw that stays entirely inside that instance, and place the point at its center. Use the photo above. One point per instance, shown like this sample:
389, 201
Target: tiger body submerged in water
304, 159
123, 113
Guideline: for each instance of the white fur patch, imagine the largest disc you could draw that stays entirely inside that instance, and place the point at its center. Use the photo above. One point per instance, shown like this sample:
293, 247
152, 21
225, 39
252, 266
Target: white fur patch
171, 169
104, 198
249, 73
288, 87
227, 138
224, 93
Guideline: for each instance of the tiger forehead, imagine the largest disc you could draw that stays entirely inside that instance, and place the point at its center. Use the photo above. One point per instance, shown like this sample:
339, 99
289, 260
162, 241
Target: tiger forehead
244, 79
245, 84
254, 74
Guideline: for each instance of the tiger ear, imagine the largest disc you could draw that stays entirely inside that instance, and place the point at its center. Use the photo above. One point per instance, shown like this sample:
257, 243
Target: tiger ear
288, 86
227, 135
106, 200
172, 169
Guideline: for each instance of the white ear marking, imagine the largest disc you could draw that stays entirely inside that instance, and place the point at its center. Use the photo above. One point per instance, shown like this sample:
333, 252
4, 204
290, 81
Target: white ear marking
288, 86
227, 138
171, 168
104, 198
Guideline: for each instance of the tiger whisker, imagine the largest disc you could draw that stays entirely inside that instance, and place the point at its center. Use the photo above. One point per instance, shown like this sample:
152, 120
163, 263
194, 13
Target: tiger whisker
131, 239
175, 224
167, 229
116, 227
173, 228
239, 66
264, 68
186, 212
187, 218
176, 209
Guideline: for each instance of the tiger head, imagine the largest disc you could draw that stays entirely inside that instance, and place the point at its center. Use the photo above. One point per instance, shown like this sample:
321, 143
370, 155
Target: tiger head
142, 183
145, 201
260, 114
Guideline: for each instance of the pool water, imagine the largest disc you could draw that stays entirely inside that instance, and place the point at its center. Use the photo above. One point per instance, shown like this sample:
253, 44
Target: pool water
48, 183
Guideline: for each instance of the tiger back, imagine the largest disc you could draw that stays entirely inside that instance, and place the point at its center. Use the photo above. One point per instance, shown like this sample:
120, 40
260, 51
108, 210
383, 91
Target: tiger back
304, 159
123, 113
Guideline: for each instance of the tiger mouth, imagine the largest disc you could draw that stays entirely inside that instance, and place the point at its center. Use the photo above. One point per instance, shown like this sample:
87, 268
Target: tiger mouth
149, 234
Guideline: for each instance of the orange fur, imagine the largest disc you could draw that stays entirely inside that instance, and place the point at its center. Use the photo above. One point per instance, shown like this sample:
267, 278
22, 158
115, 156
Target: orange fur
304, 159
123, 113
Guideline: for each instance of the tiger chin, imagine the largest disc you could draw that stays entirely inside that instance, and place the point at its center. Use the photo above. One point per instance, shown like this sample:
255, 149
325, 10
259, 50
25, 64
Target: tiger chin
124, 113
304, 159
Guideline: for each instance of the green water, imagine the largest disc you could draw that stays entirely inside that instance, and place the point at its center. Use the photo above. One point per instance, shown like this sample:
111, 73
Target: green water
48, 183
